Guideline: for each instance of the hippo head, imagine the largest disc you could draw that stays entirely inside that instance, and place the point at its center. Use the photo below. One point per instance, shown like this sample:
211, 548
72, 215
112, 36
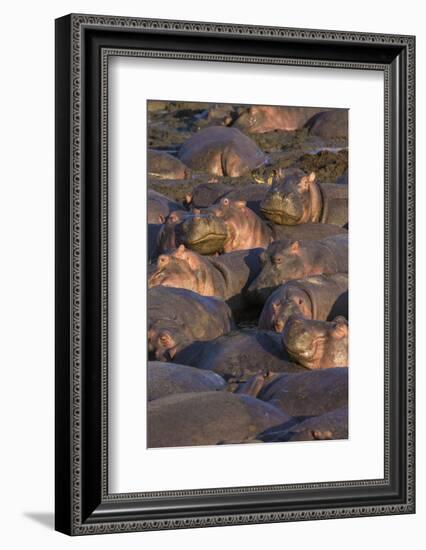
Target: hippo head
281, 262
179, 269
165, 340
167, 235
294, 198
317, 344
253, 120
203, 232
296, 301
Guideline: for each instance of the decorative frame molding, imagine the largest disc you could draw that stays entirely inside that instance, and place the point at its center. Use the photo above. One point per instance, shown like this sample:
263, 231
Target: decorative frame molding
84, 43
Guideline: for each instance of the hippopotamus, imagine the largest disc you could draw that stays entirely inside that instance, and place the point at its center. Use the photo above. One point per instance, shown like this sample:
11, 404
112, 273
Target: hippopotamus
284, 261
166, 239
260, 119
219, 114
329, 124
222, 151
245, 229
308, 393
159, 207
317, 344
319, 297
208, 418
169, 378
240, 354
330, 425
224, 227
297, 198
177, 317
163, 165
225, 276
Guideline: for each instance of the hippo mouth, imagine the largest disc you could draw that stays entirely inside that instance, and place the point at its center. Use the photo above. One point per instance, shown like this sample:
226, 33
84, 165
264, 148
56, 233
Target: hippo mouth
308, 354
279, 217
207, 238
207, 244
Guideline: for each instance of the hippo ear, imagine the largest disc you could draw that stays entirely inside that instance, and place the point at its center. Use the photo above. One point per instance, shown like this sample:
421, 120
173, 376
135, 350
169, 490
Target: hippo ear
294, 247
306, 181
180, 251
161, 218
341, 328
240, 204
188, 199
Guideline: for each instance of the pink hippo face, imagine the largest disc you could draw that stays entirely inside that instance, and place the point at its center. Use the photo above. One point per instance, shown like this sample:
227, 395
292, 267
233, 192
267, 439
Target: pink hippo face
245, 229
180, 269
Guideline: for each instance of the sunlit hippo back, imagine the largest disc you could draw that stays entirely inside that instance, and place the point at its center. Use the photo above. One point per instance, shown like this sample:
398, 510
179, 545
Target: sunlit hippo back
222, 151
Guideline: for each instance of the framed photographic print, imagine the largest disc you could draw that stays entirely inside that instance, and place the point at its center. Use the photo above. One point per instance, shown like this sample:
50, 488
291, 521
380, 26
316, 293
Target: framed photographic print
234, 274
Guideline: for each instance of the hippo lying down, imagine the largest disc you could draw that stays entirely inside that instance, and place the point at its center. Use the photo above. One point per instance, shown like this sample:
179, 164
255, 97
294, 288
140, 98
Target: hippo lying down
284, 261
177, 317
224, 227
319, 297
240, 354
226, 276
223, 151
231, 225
297, 198
162, 165
317, 344
209, 418
259, 119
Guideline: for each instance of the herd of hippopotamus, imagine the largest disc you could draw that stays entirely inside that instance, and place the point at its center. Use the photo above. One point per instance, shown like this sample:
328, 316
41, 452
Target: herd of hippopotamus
247, 274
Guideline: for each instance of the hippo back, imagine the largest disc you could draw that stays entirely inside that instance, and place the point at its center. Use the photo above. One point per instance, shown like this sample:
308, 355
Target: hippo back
201, 146
335, 203
308, 393
338, 245
208, 418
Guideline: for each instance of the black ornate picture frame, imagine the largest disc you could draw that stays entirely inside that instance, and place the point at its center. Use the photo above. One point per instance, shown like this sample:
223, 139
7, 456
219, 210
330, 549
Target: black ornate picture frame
84, 43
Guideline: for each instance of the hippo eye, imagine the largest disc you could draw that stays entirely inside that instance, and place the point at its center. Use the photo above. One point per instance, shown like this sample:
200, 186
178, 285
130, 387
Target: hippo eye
300, 302
277, 259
